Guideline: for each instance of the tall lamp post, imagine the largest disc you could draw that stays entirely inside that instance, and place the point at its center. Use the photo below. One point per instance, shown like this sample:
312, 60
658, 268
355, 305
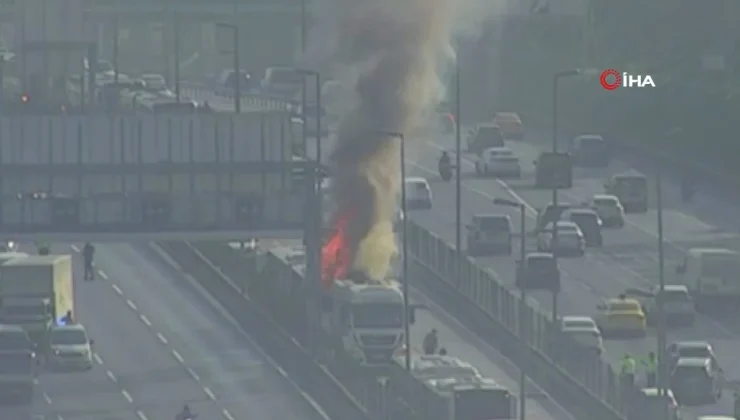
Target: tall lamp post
404, 247
458, 172
317, 76
116, 36
662, 368
522, 255
176, 47
234, 28
555, 82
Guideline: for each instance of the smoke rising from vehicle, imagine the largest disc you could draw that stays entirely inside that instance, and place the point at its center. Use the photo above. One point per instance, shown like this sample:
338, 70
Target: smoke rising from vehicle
393, 54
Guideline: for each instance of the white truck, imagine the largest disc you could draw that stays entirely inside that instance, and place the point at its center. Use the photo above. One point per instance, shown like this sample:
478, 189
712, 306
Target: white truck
35, 291
365, 318
712, 276
445, 384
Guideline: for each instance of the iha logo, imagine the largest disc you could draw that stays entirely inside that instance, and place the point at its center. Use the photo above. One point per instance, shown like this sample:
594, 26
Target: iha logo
611, 80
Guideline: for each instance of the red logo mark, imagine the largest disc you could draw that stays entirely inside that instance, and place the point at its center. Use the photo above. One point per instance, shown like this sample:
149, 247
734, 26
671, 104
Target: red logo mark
610, 74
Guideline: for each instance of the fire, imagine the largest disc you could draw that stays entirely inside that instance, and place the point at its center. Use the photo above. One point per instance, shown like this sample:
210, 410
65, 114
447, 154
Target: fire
335, 256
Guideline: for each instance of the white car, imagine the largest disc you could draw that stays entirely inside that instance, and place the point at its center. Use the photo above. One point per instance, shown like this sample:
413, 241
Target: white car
498, 161
584, 331
8, 246
609, 209
71, 347
678, 305
418, 193
570, 238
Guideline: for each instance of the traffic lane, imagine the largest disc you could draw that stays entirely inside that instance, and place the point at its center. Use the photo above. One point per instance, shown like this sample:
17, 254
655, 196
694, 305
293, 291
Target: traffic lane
713, 203
78, 395
150, 378
230, 370
581, 291
464, 344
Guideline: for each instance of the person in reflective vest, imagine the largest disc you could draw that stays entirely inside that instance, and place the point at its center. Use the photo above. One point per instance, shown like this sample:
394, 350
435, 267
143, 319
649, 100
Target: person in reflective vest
627, 369
67, 319
651, 369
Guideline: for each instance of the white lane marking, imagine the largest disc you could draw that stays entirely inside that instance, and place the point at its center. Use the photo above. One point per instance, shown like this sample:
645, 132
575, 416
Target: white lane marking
141, 415
131, 305
161, 338
227, 415
209, 393
102, 274
145, 320
97, 358
127, 396
282, 372
315, 406
230, 319
177, 356
111, 376
75, 249
47, 398
117, 289
195, 376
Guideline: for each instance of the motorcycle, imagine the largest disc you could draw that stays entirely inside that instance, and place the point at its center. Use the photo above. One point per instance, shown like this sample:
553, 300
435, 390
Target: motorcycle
445, 171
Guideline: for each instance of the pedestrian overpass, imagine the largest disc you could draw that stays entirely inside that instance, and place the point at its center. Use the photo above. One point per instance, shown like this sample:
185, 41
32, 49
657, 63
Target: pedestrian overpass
145, 177
156, 10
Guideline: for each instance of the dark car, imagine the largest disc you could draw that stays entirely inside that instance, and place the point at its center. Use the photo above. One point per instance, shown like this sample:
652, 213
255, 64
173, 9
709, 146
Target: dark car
589, 150
589, 222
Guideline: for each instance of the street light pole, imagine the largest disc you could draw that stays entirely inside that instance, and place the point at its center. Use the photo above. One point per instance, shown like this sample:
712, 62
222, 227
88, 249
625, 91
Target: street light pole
234, 28
317, 86
176, 41
404, 247
555, 81
522, 255
304, 30
458, 176
116, 33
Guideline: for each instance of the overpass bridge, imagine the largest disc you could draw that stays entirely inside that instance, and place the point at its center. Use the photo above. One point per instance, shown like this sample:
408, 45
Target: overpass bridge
144, 177
156, 9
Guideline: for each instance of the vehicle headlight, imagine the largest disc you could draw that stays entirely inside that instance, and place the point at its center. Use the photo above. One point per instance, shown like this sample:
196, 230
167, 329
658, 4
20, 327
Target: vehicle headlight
57, 352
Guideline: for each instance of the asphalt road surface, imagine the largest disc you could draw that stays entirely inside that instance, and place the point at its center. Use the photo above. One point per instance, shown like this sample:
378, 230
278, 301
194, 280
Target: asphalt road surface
158, 345
629, 258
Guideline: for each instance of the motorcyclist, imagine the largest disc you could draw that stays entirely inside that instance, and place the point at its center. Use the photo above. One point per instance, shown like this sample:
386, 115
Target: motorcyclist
431, 342
444, 161
88, 253
185, 414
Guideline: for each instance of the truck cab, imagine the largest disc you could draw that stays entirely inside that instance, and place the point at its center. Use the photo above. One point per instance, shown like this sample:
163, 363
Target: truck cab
367, 317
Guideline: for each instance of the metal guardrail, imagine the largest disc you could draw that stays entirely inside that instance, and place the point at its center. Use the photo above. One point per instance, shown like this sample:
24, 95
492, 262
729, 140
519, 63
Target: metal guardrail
223, 98
557, 363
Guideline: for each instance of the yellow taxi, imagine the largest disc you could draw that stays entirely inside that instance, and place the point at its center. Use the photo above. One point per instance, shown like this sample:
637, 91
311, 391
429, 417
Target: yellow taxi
622, 316
510, 125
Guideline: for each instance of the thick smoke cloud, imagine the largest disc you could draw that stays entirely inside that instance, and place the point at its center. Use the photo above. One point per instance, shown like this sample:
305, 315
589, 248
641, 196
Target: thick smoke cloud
392, 53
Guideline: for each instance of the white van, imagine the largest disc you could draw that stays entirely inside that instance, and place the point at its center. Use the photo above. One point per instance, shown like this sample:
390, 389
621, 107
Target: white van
712, 275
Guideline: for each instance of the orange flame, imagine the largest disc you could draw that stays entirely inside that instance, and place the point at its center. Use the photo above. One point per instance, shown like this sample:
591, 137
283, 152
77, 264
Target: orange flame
335, 256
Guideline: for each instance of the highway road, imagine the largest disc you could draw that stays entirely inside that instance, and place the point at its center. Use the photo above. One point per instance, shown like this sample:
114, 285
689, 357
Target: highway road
460, 342
158, 345
629, 257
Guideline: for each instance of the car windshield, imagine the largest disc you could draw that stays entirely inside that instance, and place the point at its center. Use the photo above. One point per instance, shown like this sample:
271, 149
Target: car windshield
636, 184
377, 315
585, 219
68, 337
605, 202
16, 363
674, 296
541, 264
623, 306
578, 323
694, 351
564, 228
591, 143
690, 373
720, 266
154, 82
14, 341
